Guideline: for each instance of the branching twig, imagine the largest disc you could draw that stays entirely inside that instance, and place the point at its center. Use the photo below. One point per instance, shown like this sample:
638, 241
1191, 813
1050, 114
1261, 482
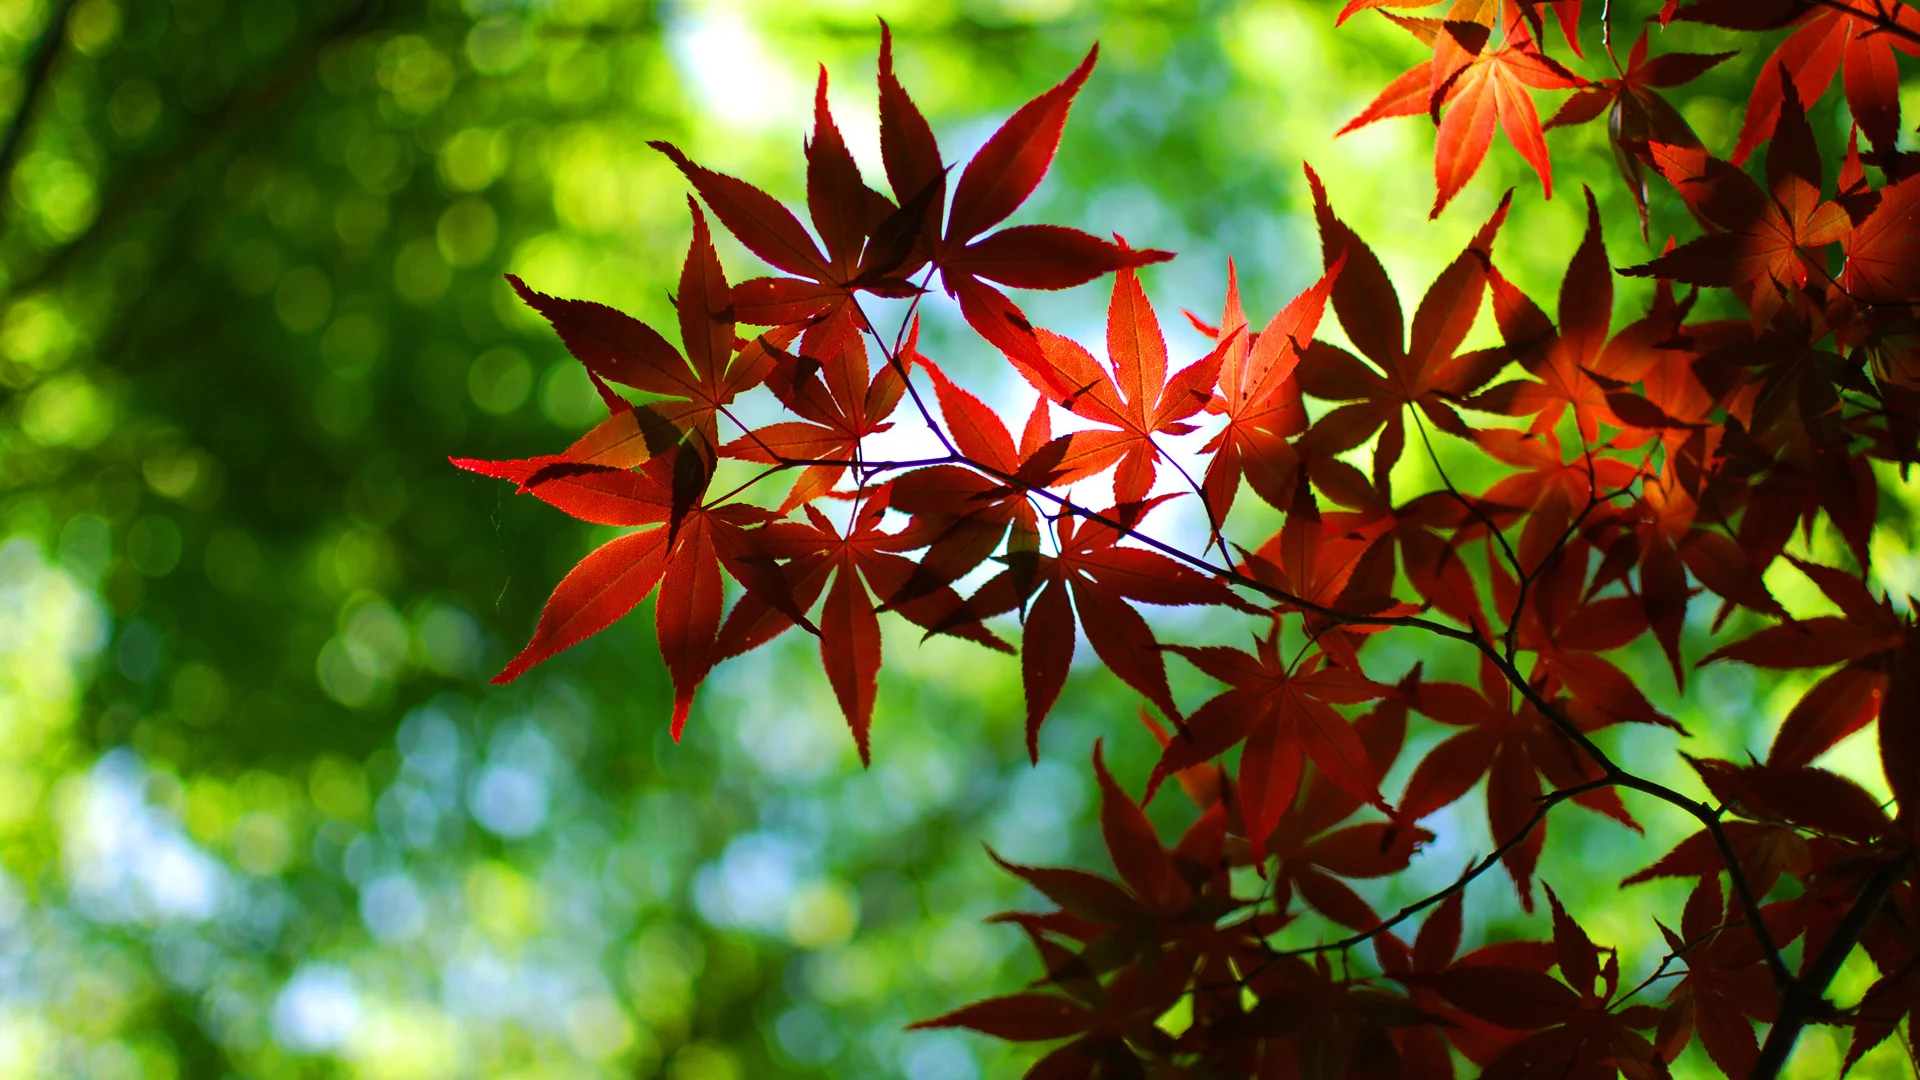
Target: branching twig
1886, 23
1805, 998
1546, 802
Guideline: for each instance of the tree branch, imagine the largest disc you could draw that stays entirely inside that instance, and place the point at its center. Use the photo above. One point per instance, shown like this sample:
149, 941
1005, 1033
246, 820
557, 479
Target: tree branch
1805, 997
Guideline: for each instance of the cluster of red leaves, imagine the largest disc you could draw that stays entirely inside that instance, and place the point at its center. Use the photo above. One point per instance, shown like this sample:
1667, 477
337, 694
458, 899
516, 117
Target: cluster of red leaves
1666, 462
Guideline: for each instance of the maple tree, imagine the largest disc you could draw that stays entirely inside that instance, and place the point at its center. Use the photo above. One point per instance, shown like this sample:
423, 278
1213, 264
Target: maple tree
1657, 470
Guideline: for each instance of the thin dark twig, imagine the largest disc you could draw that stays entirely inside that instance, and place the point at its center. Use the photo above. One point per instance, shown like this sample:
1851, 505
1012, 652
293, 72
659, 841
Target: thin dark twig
1473, 508
1213, 524
1887, 23
1546, 802
893, 359
1685, 948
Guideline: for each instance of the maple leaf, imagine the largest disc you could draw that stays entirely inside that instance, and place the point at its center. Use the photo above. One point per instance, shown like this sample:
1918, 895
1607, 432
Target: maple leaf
1307, 1019
1566, 362
1006, 170
845, 212
1866, 637
1821, 802
873, 245
1514, 746
1431, 561
685, 560
1314, 852
1546, 472
1492, 89
616, 347
1138, 399
1802, 66
1260, 398
1478, 87
1095, 575
1435, 952
1318, 562
840, 402
1771, 239
1579, 368
1149, 930
1883, 251
1798, 463
862, 557
1636, 115
1726, 986
968, 511
1568, 628
1573, 1023
1670, 544
1284, 715
1427, 373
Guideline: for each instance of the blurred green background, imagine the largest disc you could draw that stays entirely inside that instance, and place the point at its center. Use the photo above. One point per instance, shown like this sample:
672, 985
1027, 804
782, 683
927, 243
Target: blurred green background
260, 814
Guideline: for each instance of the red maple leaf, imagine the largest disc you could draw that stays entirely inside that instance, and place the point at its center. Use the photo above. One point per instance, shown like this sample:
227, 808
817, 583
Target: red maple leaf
1149, 930
1827, 41
1770, 241
1578, 366
1427, 373
969, 509
1636, 115
1284, 715
841, 401
1491, 88
1866, 637
1434, 952
694, 388
1514, 746
1315, 850
1260, 398
1567, 627
1726, 987
863, 557
1479, 88
684, 560
845, 212
1096, 575
1329, 566
994, 184
1138, 400
1577, 1027
1883, 251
